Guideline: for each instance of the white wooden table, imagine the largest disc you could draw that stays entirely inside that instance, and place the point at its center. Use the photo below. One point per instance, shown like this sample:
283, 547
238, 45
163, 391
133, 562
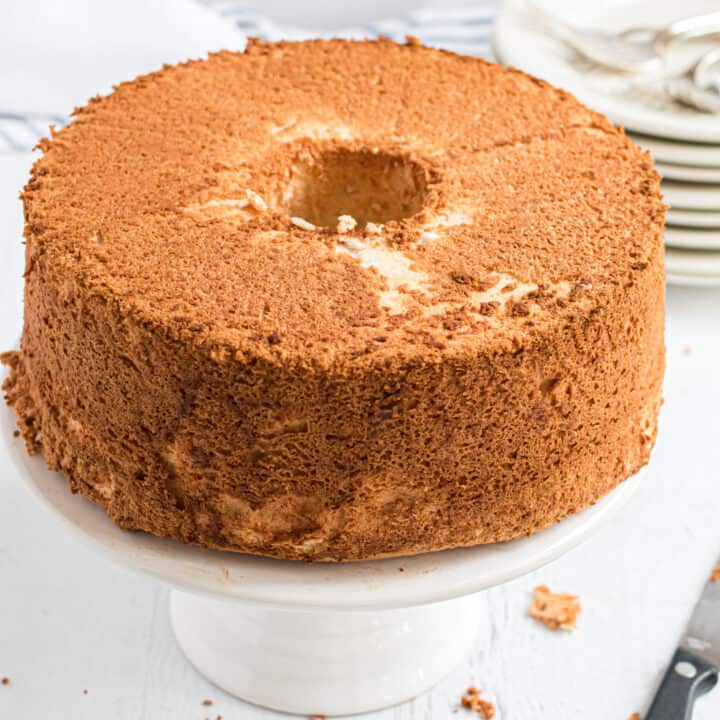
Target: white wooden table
71, 623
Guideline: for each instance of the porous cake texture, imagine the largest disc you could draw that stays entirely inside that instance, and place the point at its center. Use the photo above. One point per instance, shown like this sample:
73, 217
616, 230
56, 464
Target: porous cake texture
339, 300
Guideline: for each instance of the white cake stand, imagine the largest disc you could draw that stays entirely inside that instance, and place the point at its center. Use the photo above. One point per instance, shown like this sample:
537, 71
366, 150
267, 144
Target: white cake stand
315, 638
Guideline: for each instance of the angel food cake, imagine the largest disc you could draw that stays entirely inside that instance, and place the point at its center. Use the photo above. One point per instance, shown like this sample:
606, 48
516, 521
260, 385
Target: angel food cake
341, 300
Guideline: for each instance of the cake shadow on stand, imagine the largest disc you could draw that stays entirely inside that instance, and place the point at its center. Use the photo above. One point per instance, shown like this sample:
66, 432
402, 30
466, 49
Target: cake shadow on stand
303, 638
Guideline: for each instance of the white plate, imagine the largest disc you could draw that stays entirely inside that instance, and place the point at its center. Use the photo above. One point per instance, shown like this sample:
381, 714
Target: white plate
699, 264
693, 239
691, 196
681, 153
707, 220
692, 280
688, 173
266, 582
639, 104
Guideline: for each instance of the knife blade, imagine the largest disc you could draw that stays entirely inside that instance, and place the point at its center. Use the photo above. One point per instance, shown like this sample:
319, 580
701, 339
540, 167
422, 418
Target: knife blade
694, 668
702, 636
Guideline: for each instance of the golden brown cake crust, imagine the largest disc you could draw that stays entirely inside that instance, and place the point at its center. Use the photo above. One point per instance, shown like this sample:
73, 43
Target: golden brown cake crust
472, 352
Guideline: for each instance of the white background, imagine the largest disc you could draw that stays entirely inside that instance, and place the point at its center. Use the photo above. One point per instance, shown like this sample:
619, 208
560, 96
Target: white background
70, 622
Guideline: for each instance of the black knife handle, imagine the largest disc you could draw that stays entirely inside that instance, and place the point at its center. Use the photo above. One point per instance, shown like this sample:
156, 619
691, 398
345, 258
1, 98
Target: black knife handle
687, 678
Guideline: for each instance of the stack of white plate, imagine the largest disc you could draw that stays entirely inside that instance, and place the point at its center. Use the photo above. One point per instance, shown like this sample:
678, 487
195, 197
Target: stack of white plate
684, 142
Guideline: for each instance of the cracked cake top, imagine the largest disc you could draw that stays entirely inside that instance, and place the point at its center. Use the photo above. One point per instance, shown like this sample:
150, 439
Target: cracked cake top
334, 200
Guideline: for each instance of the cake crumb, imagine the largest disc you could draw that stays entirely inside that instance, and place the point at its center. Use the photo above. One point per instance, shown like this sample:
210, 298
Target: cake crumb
302, 223
480, 705
412, 40
558, 611
715, 574
346, 223
317, 717
207, 703
5, 681
372, 228
635, 716
256, 201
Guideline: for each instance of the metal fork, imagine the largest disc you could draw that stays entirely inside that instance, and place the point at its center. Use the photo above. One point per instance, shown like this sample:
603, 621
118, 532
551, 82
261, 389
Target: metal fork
633, 50
695, 87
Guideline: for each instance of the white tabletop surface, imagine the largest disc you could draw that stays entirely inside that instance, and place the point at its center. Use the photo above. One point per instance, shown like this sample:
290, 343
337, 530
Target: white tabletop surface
70, 622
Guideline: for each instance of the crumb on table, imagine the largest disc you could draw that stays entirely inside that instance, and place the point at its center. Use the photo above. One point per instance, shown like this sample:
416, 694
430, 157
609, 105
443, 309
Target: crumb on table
317, 717
207, 703
558, 611
635, 716
473, 701
5, 681
715, 574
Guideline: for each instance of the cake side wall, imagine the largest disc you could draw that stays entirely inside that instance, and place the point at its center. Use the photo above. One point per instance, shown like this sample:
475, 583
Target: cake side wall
366, 460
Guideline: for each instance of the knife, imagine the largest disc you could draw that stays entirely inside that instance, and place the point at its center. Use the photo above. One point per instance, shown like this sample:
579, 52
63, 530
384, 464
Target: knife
693, 671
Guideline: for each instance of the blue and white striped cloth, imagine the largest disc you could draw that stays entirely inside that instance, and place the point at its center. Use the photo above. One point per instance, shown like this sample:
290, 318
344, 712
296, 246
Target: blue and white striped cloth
19, 133
462, 30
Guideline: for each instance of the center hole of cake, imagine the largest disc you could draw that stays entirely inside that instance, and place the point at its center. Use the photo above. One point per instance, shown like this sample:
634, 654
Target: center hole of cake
370, 186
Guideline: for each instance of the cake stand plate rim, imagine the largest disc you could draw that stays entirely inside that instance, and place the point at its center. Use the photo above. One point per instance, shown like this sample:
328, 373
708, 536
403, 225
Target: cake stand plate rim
372, 585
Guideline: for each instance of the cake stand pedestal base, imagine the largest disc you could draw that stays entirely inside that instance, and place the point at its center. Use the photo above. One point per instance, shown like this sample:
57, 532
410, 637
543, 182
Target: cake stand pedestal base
333, 663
